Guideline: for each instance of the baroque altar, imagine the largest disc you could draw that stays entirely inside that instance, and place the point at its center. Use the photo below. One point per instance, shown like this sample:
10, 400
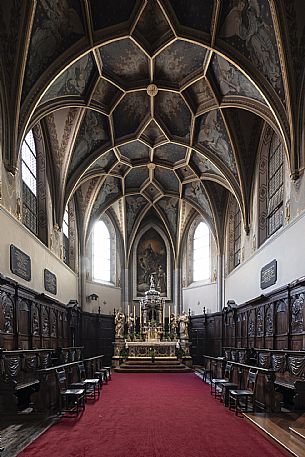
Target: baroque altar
151, 334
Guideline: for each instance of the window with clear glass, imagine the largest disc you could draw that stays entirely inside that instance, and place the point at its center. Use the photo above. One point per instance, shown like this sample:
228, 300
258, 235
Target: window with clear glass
65, 229
275, 185
237, 235
29, 182
201, 253
101, 252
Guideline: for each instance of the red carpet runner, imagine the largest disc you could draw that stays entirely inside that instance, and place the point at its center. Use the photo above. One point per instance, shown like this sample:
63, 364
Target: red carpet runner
153, 415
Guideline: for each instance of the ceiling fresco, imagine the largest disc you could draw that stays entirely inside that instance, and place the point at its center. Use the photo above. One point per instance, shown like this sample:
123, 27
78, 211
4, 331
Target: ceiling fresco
160, 102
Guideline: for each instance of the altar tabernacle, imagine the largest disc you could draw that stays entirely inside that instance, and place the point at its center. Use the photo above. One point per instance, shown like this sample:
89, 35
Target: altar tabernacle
156, 339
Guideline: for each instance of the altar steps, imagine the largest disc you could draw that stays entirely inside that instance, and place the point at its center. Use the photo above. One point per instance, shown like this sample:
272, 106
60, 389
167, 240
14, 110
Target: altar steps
142, 365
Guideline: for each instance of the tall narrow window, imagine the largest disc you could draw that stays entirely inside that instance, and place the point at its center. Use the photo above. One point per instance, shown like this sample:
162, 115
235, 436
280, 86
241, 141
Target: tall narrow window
29, 182
201, 253
101, 252
237, 235
65, 230
275, 185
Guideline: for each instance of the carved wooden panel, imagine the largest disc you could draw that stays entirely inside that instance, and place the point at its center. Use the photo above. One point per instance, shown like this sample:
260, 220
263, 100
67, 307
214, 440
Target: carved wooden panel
297, 313
260, 321
269, 323
6, 313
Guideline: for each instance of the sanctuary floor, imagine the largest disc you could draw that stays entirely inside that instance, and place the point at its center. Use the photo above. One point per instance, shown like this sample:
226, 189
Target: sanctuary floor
153, 415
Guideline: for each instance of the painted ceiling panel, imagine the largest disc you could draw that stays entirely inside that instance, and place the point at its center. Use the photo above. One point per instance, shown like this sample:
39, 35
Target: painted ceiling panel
196, 194
74, 81
153, 135
125, 62
169, 208
109, 192
174, 113
134, 206
130, 113
231, 81
135, 151
57, 25
152, 28
170, 153
199, 94
178, 62
167, 179
111, 13
212, 134
136, 177
248, 27
104, 163
196, 15
106, 94
93, 133
201, 165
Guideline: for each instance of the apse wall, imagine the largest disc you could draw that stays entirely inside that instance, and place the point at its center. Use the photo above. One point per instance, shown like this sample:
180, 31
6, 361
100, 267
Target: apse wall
287, 246
110, 294
13, 232
195, 297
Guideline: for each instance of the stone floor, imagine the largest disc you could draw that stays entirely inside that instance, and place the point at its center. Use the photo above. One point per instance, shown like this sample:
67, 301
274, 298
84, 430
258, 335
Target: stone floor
17, 433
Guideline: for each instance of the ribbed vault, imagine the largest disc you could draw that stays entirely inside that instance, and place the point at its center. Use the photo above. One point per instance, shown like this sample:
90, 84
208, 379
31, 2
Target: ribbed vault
151, 103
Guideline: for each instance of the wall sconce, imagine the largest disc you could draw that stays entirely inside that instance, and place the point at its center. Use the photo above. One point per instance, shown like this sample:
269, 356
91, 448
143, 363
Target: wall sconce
92, 297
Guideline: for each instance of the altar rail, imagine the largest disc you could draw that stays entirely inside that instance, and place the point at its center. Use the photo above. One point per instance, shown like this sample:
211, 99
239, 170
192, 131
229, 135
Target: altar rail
266, 396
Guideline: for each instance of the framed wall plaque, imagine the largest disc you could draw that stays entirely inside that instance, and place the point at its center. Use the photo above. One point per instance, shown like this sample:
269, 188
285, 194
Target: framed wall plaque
50, 281
269, 274
20, 263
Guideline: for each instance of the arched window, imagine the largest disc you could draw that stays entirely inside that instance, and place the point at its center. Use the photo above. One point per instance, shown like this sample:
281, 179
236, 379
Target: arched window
275, 185
65, 229
101, 252
237, 234
29, 182
201, 252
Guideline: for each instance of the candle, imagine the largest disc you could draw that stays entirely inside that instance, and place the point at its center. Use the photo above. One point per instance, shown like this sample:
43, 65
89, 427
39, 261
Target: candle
134, 317
163, 311
128, 311
169, 317
140, 315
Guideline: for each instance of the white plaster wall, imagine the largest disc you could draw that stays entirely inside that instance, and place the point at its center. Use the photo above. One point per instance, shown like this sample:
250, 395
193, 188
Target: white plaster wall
287, 246
196, 296
13, 232
108, 293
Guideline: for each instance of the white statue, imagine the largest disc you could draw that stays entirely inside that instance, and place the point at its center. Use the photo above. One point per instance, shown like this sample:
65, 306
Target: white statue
184, 326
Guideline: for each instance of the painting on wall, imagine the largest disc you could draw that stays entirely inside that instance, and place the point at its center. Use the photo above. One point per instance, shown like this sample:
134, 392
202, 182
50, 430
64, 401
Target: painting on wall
151, 260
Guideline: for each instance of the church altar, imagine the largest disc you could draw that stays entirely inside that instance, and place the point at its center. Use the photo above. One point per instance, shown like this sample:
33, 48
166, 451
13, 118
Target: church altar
146, 349
152, 337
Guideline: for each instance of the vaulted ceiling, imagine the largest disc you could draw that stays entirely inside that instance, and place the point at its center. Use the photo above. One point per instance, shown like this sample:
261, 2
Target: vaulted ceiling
150, 104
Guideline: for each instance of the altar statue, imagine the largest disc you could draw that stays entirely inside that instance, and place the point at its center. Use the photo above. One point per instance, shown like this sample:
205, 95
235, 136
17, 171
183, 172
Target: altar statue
173, 324
131, 324
119, 324
184, 326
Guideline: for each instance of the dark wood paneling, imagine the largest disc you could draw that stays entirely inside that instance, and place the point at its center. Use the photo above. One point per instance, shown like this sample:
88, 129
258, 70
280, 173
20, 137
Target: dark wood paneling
274, 321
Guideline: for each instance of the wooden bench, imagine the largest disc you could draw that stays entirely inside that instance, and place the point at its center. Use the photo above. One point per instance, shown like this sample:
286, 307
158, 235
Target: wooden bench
266, 396
289, 367
46, 401
18, 377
